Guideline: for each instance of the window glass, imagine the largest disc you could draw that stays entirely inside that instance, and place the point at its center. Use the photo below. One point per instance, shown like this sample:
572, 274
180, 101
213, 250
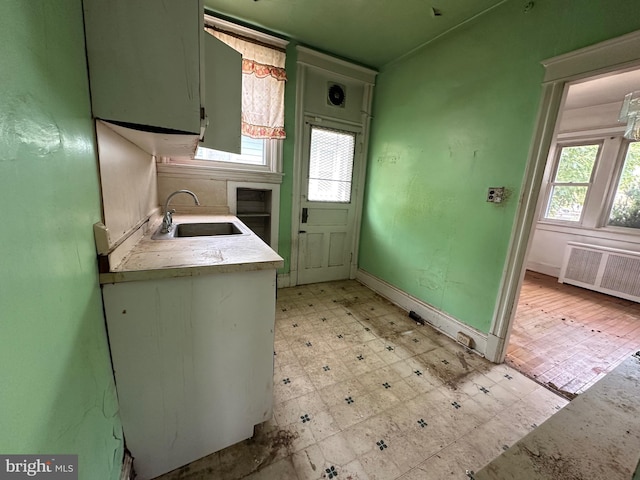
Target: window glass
571, 183
566, 203
576, 163
625, 211
330, 165
252, 152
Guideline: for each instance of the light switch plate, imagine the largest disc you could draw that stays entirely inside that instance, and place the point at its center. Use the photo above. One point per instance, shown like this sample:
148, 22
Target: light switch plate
495, 194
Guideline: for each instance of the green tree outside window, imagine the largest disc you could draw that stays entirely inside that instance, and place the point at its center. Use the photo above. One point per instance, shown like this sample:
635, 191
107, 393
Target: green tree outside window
625, 211
571, 182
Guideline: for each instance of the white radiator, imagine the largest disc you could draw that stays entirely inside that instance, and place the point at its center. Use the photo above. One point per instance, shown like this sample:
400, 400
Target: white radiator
608, 270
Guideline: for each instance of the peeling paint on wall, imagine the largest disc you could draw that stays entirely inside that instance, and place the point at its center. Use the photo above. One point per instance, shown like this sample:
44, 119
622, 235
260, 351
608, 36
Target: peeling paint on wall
26, 121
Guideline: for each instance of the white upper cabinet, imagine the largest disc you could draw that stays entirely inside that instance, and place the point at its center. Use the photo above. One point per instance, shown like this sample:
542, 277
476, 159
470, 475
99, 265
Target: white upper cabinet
223, 97
149, 69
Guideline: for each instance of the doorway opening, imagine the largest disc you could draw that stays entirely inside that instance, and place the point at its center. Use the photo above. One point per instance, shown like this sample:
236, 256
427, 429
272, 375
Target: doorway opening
568, 335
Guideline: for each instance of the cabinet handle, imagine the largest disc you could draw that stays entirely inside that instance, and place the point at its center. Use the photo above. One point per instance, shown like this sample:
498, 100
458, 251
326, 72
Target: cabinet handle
305, 215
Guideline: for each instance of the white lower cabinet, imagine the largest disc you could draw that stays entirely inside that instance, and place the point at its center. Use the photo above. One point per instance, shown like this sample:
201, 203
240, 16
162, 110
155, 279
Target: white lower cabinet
193, 362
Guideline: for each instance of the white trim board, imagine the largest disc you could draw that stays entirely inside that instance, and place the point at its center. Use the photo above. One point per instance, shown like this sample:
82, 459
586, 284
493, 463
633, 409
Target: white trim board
213, 173
605, 56
211, 21
312, 58
439, 320
284, 280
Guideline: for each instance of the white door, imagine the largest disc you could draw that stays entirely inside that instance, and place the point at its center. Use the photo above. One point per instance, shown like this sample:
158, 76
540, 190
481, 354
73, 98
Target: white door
328, 202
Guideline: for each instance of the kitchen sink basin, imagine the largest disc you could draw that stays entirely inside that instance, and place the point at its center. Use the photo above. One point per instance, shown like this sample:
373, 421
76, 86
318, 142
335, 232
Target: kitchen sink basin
186, 230
205, 229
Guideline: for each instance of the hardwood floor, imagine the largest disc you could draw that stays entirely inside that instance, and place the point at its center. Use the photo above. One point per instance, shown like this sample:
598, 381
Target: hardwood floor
567, 337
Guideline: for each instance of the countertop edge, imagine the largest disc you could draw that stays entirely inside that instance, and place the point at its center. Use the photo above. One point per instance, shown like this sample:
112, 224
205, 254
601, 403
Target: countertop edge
193, 271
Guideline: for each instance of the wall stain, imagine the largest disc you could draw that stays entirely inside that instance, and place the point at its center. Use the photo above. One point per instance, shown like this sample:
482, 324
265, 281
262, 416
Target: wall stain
451, 374
29, 124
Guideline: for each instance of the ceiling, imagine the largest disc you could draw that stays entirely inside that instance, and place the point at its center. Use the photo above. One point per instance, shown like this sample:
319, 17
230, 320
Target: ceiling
370, 32
602, 90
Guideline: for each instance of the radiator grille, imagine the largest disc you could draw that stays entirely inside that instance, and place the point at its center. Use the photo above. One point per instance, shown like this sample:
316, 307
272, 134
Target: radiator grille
583, 265
622, 274
607, 270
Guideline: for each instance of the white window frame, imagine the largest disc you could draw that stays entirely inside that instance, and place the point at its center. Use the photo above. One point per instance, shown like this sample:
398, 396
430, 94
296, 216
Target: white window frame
551, 183
613, 189
603, 185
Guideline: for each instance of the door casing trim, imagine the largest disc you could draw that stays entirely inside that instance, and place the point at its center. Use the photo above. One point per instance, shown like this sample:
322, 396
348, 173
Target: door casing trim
600, 59
367, 99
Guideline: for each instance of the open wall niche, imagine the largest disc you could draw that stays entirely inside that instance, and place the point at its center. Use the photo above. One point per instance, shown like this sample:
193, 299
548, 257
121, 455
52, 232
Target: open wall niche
257, 205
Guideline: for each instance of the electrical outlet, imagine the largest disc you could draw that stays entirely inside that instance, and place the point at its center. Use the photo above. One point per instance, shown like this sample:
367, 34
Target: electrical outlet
495, 194
464, 339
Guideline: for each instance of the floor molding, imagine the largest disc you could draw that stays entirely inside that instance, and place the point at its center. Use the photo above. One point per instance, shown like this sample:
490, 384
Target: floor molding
439, 320
284, 280
544, 268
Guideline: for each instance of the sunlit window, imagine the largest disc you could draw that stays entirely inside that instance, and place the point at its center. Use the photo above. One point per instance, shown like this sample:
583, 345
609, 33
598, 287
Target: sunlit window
252, 152
330, 165
571, 182
625, 211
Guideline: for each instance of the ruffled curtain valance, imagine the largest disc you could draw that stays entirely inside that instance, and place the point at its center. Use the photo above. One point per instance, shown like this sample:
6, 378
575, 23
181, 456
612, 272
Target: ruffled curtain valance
263, 79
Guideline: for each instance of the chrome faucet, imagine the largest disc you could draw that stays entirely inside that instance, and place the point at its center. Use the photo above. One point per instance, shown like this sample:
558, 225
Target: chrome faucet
167, 220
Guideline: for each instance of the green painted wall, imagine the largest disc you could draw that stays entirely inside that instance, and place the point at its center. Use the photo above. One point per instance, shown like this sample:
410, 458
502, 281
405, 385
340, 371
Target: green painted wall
57, 393
450, 121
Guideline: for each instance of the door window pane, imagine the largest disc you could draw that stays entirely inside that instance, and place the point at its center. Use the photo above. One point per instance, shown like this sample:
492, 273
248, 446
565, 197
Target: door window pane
571, 182
625, 211
330, 165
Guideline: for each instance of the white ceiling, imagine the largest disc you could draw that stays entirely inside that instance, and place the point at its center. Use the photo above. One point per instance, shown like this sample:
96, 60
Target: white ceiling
603, 90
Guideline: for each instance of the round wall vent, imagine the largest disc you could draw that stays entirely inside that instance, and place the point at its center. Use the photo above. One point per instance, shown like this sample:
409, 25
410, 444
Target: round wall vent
336, 95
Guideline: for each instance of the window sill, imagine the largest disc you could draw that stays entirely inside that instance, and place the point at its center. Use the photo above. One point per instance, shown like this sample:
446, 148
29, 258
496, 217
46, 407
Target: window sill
219, 173
612, 233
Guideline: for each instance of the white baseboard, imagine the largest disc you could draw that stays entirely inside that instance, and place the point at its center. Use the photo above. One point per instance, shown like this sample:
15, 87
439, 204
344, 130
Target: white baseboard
544, 268
284, 280
439, 320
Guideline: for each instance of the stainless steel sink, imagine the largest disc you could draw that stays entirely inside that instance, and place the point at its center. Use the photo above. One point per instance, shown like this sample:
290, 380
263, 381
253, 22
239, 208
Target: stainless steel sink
205, 229
186, 230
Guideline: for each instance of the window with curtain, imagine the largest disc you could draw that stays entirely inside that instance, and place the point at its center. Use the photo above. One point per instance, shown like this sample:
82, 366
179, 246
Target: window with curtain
263, 80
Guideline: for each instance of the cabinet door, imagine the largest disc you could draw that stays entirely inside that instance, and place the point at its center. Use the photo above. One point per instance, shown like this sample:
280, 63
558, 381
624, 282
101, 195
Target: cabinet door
193, 362
223, 95
144, 62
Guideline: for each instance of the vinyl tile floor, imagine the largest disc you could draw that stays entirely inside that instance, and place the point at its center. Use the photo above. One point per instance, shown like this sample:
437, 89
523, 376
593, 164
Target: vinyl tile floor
363, 392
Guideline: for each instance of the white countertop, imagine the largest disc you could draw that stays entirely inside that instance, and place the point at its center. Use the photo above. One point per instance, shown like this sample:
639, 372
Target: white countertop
151, 259
596, 436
